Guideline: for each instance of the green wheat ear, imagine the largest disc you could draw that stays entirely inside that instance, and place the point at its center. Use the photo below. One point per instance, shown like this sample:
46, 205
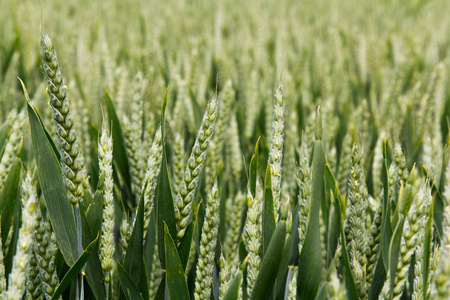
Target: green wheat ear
107, 245
304, 175
205, 264
19, 273
72, 162
355, 221
12, 144
45, 250
194, 167
152, 173
276, 146
253, 233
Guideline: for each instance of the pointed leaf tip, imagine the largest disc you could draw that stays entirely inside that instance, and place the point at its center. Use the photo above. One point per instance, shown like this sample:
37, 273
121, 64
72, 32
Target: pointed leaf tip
24, 88
318, 127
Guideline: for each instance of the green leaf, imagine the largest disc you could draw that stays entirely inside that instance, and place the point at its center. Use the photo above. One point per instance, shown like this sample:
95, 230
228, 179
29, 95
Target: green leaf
338, 217
269, 266
268, 217
378, 279
176, 281
427, 249
184, 249
438, 210
394, 252
52, 184
232, 292
352, 291
294, 255
15, 227
283, 268
404, 204
161, 290
27, 97
253, 171
8, 198
94, 213
130, 290
323, 293
165, 210
310, 257
119, 151
334, 232
386, 229
5, 130
94, 175
94, 273
134, 260
75, 269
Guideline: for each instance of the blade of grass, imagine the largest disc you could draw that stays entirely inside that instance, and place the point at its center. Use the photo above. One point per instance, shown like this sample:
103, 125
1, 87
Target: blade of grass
75, 269
386, 229
165, 210
130, 290
134, 258
268, 217
176, 281
406, 198
310, 257
51, 180
233, 289
8, 198
270, 264
119, 152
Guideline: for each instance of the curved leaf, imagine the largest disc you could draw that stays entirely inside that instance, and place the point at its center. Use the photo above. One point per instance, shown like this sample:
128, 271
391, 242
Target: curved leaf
270, 264
310, 260
5, 130
119, 152
406, 198
335, 198
334, 230
268, 217
438, 210
130, 290
427, 251
94, 213
352, 291
75, 269
52, 184
253, 170
386, 229
176, 281
232, 292
165, 211
184, 249
134, 259
8, 198
94, 273
283, 268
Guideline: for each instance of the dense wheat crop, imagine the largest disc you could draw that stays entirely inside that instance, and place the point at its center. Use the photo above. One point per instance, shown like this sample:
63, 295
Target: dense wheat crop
224, 149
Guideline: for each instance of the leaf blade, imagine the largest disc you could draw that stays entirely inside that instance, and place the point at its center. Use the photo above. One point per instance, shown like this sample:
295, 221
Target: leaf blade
310, 257
75, 269
268, 217
270, 264
176, 281
55, 193
8, 198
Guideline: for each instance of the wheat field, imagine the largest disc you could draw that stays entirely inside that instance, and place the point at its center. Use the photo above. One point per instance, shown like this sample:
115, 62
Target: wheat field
225, 149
